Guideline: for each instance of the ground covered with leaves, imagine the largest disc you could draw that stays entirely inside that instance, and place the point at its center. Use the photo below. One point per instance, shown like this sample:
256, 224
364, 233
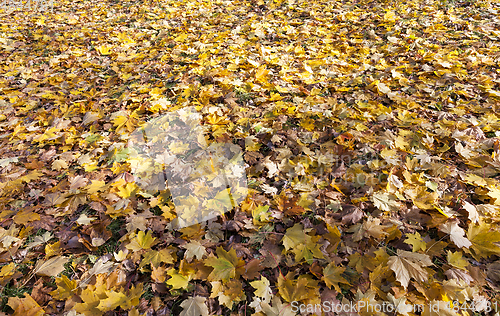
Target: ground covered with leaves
370, 138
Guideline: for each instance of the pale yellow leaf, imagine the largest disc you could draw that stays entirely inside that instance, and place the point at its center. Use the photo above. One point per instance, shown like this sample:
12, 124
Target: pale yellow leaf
51, 267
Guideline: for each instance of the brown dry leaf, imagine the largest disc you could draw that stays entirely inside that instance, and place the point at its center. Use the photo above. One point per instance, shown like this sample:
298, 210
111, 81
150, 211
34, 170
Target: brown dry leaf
116, 278
332, 276
78, 182
25, 306
252, 269
302, 288
289, 206
351, 214
40, 293
159, 274
25, 216
458, 275
373, 228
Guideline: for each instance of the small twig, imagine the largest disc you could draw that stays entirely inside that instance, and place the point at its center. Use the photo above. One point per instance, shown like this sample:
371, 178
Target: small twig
437, 242
284, 308
277, 264
271, 233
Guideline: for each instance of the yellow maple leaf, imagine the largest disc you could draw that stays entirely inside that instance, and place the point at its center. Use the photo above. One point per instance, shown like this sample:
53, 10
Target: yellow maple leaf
120, 255
294, 236
261, 74
303, 245
90, 301
416, 241
127, 190
456, 260
52, 249
141, 241
119, 119
226, 265
252, 144
308, 124
112, 301
263, 289
299, 50
475, 179
483, 240
194, 249
332, 276
155, 92
390, 16
181, 38
422, 198
401, 143
155, 258
495, 193
25, 216
177, 280
300, 289
104, 49
385, 201
7, 270
95, 186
